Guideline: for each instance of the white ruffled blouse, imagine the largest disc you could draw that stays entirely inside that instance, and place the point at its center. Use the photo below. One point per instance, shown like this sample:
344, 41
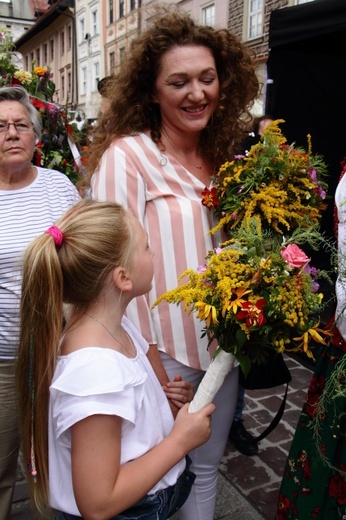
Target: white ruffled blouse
98, 380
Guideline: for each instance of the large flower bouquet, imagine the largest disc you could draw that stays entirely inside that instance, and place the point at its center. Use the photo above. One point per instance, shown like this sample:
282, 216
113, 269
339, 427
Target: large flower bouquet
257, 292
279, 183
59, 147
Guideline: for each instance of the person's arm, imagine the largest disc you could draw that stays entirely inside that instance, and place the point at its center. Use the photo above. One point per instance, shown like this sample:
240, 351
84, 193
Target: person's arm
102, 487
154, 357
178, 392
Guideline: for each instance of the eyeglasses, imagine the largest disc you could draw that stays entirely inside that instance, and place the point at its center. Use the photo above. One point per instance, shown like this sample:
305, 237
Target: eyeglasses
22, 128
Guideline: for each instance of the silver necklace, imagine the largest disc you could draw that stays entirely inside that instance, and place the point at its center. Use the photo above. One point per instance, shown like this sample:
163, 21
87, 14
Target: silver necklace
116, 339
199, 167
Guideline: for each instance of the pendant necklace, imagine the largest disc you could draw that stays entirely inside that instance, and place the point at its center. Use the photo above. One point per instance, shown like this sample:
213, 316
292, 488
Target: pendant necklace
116, 339
199, 167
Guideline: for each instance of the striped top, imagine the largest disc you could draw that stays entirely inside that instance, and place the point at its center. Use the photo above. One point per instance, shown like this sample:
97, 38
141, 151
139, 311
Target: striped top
166, 198
24, 214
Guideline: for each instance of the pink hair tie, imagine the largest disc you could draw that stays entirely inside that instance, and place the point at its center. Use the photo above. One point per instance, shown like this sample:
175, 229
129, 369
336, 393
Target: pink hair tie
57, 234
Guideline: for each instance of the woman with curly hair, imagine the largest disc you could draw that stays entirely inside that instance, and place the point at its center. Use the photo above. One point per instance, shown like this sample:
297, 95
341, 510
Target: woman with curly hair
178, 110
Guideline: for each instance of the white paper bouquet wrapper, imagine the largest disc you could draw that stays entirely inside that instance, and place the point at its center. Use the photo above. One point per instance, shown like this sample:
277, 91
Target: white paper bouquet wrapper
212, 380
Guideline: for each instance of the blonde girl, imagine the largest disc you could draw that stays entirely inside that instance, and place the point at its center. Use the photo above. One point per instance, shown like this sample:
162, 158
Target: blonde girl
96, 425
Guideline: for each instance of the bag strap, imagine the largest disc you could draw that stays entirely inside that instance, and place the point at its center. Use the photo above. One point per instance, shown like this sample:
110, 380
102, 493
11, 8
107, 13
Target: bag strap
276, 419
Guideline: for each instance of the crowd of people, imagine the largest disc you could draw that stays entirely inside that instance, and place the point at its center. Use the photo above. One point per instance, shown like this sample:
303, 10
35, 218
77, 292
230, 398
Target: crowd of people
94, 381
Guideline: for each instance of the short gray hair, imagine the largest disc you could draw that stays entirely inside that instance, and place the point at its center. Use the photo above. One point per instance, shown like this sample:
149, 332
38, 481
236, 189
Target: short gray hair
20, 94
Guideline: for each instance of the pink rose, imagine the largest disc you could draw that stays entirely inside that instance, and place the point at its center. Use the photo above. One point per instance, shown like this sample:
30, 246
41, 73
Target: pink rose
294, 256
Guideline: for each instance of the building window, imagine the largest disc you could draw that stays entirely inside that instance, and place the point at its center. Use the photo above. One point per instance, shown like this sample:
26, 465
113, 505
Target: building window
208, 15
69, 83
96, 75
26, 63
38, 58
94, 22
62, 42
62, 87
121, 54
84, 80
45, 54
111, 61
82, 29
121, 8
255, 18
111, 11
32, 58
51, 50
298, 2
133, 5
69, 37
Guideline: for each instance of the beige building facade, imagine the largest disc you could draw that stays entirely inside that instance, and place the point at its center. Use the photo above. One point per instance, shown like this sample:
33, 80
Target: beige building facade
86, 40
51, 42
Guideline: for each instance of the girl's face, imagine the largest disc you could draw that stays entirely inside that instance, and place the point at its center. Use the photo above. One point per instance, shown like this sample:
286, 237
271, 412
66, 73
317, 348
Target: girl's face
142, 269
187, 88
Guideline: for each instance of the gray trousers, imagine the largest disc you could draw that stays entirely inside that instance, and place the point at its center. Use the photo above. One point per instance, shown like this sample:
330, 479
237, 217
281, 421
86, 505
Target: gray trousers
9, 438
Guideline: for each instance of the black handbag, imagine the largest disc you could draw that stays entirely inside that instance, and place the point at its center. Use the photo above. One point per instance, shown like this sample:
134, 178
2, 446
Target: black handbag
272, 372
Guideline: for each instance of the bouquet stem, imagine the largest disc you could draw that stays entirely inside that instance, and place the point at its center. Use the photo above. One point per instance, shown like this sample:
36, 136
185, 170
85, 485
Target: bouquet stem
212, 380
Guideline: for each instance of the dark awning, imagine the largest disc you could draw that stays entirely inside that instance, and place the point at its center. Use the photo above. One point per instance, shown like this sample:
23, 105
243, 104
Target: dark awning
321, 18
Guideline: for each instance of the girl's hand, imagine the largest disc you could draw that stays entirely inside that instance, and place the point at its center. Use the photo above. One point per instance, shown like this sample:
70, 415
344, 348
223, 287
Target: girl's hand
178, 393
193, 429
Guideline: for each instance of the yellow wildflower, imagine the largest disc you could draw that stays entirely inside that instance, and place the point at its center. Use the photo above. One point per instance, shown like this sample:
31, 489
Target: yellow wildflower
23, 76
206, 312
237, 303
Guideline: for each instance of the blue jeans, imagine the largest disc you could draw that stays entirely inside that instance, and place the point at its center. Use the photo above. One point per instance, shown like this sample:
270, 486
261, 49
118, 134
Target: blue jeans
151, 507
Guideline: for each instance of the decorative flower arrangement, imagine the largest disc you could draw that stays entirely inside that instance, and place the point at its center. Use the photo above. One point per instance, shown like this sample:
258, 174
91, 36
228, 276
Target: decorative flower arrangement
59, 145
279, 183
255, 293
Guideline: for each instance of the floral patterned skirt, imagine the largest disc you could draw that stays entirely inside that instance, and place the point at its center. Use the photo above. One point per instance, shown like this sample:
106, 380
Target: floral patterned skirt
314, 480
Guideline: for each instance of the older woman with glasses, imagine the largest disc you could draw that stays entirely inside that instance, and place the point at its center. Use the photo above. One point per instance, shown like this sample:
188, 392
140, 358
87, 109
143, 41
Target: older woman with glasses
31, 199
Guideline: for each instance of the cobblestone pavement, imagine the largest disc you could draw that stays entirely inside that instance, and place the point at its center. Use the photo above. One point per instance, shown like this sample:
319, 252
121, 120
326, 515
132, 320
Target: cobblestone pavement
248, 486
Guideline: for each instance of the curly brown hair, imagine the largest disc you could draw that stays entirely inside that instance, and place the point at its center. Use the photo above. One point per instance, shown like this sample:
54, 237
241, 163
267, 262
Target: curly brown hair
131, 90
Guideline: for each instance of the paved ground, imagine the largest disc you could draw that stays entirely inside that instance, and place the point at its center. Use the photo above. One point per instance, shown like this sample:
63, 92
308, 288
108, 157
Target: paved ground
248, 486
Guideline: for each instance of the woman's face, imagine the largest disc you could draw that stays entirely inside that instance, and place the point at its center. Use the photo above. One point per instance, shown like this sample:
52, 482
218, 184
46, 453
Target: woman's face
16, 148
187, 88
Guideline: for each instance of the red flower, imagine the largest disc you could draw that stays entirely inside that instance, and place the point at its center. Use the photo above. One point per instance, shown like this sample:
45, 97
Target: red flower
337, 489
284, 504
209, 198
284, 507
314, 393
15, 81
304, 463
253, 313
316, 512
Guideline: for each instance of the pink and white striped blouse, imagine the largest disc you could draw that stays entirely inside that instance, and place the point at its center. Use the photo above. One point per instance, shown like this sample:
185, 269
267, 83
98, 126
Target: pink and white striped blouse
166, 198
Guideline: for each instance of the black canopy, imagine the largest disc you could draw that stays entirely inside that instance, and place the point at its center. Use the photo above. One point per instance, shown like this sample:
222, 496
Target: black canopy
321, 19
